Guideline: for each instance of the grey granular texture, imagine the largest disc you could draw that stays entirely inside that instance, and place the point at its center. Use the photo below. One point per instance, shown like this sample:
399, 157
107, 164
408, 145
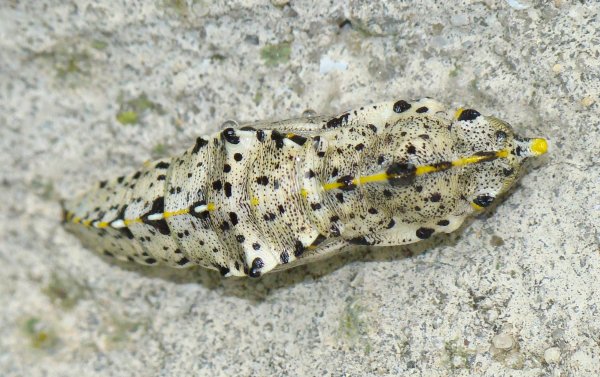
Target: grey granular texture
91, 89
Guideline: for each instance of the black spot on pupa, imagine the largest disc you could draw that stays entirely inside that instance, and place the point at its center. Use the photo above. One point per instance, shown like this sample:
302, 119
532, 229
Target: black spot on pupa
443, 223
435, 197
226, 168
373, 211
337, 122
284, 257
217, 185
315, 206
319, 240
162, 165
225, 226
126, 232
240, 238
223, 270
359, 147
346, 182
424, 136
359, 241
102, 184
422, 109
310, 174
387, 193
300, 140
269, 216
418, 188
120, 179
230, 135
233, 218
401, 106
228, 189
202, 215
277, 138
483, 200
372, 128
256, 246
401, 174
158, 206
161, 177
150, 260
108, 253
298, 248
281, 209
262, 180
468, 114
260, 135
340, 197
257, 264
238, 157
410, 149
507, 172
424, 233
137, 174
183, 261
200, 142
334, 172
391, 224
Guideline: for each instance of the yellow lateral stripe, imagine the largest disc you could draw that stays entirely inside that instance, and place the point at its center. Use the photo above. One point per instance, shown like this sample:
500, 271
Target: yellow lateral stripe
132, 221
102, 224
176, 213
458, 112
304, 192
476, 207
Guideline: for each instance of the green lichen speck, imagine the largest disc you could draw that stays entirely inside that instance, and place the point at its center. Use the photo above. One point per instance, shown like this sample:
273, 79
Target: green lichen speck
64, 291
131, 110
127, 117
98, 44
40, 336
159, 150
275, 54
353, 327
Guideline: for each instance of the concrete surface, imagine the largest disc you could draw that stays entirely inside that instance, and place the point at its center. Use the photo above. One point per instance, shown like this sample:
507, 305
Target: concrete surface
92, 89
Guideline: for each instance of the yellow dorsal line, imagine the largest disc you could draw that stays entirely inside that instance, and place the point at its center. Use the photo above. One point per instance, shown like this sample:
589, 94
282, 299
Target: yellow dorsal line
377, 177
370, 178
420, 170
332, 185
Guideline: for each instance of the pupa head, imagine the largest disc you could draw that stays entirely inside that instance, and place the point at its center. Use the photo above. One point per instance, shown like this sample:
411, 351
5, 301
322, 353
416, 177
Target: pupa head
496, 155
